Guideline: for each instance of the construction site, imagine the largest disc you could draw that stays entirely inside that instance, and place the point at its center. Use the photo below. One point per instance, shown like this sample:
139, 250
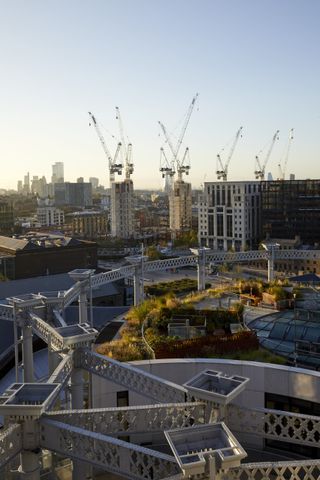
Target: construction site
179, 191
122, 190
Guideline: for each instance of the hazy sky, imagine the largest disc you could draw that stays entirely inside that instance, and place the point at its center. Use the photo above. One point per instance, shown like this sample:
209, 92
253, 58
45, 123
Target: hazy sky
254, 63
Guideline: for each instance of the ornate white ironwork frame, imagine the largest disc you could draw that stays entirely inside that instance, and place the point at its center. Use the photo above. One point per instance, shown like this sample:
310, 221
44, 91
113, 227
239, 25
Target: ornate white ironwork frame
90, 435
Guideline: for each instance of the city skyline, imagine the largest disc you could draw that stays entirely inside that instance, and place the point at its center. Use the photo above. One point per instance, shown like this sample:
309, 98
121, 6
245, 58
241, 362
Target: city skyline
253, 64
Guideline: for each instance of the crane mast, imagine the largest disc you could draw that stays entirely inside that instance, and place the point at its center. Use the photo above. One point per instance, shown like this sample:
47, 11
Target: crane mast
184, 166
167, 171
126, 148
222, 169
282, 169
260, 168
176, 165
166, 168
114, 166
185, 125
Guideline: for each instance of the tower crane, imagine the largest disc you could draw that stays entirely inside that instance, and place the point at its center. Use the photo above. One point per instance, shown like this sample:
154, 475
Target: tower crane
126, 148
167, 170
282, 165
222, 169
183, 165
260, 168
114, 165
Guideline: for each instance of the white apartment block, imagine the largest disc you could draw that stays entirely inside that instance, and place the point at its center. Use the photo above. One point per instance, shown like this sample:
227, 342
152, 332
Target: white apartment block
229, 215
48, 215
122, 209
180, 207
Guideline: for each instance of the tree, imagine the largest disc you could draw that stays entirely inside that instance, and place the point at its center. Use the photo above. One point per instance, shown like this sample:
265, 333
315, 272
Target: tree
153, 253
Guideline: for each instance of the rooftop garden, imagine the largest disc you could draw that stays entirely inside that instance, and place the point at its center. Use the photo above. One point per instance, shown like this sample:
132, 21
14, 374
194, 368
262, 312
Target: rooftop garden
146, 332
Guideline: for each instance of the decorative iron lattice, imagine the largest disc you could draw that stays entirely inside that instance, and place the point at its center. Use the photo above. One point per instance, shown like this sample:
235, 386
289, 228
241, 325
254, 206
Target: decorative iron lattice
124, 420
275, 424
297, 254
293, 470
71, 295
155, 265
107, 277
130, 377
6, 312
63, 371
10, 443
103, 451
228, 257
46, 332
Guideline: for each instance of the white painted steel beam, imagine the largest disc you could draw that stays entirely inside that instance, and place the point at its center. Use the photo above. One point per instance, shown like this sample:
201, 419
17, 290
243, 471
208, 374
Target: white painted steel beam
130, 377
10, 443
136, 419
6, 312
109, 453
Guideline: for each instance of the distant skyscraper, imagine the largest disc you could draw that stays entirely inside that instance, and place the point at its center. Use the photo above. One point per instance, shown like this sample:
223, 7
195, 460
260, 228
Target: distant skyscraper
39, 186
94, 182
20, 186
26, 184
57, 172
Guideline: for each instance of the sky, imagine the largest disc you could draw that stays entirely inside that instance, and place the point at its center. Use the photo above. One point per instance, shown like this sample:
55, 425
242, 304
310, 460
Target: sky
254, 63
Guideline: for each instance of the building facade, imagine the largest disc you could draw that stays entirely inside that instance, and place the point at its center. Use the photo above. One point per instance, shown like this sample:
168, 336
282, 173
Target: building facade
89, 224
76, 194
229, 215
48, 214
6, 218
37, 254
57, 172
122, 205
291, 208
180, 207
39, 186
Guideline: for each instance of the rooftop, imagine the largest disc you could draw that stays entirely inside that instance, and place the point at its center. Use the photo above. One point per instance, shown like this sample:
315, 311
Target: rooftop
36, 241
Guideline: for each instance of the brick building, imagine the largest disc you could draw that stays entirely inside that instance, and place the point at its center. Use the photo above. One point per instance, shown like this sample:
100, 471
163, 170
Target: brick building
43, 254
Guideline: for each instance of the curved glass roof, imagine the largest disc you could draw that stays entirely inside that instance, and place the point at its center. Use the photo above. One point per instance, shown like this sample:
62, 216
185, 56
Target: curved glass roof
282, 333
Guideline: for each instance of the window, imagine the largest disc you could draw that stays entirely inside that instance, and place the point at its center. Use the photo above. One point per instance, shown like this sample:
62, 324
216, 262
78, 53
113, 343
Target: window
123, 398
220, 225
229, 225
291, 404
210, 225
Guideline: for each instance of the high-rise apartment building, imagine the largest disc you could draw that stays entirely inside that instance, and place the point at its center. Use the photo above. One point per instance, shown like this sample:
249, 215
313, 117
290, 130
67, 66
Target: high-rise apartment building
180, 207
122, 209
229, 215
57, 172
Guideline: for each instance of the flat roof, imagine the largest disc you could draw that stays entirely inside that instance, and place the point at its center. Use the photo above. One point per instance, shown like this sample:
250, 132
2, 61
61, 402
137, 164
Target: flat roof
49, 283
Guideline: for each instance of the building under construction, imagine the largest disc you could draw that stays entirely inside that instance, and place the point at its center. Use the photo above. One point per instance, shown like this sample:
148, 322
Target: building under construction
180, 207
179, 191
122, 202
122, 209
